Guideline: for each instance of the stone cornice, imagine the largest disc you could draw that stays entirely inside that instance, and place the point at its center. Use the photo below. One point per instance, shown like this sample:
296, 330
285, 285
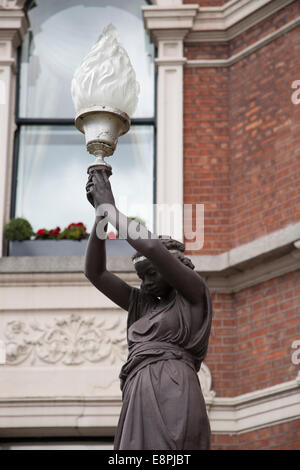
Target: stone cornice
266, 407
79, 416
210, 32
247, 51
12, 4
232, 13
258, 261
13, 26
246, 277
225, 281
271, 246
210, 23
159, 19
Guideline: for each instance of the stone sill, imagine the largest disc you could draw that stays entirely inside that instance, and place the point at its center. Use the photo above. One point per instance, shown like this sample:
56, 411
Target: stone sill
58, 264
265, 258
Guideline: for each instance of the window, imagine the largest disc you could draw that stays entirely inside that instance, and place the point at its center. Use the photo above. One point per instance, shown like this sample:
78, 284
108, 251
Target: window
50, 155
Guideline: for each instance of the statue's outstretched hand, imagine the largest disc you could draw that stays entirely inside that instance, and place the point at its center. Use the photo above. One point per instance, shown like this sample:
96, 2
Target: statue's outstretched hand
98, 188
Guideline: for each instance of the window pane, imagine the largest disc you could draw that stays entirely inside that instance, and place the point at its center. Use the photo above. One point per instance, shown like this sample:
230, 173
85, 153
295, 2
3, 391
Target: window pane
52, 174
63, 31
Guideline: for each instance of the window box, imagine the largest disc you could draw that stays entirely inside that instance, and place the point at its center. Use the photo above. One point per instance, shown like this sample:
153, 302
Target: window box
116, 247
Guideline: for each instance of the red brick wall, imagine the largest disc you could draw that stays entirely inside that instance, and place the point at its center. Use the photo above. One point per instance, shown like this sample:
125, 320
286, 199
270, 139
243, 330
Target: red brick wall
265, 129
221, 354
252, 334
241, 136
265, 27
206, 152
241, 160
267, 323
284, 436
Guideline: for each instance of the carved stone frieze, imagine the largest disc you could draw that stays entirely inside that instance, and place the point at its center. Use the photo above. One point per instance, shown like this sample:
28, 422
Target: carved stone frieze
71, 340
75, 340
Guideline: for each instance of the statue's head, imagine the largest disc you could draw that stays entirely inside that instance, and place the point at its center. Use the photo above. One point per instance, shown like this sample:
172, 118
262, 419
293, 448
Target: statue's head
152, 281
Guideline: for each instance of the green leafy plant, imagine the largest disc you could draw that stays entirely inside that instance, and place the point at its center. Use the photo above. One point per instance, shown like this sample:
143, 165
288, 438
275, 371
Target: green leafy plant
18, 229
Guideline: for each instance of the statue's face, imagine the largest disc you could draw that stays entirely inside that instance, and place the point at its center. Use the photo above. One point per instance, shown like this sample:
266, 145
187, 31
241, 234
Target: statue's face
152, 281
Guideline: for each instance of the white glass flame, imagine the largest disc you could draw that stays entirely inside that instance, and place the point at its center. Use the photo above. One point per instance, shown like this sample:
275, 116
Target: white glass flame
106, 76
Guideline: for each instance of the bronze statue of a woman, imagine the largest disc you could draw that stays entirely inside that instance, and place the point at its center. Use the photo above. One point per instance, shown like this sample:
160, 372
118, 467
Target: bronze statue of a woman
168, 327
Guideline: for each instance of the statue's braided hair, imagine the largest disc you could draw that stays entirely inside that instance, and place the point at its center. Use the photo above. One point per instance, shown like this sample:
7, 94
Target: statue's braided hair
171, 244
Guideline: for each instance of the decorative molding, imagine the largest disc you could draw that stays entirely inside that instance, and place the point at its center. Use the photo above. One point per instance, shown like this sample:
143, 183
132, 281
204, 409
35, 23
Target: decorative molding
249, 264
12, 4
79, 416
247, 51
228, 280
231, 19
221, 23
175, 18
74, 340
277, 241
59, 279
13, 26
71, 340
58, 264
251, 276
267, 407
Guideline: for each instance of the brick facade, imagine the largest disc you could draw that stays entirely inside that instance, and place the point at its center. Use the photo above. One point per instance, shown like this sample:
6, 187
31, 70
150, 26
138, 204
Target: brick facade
241, 136
241, 160
284, 436
252, 334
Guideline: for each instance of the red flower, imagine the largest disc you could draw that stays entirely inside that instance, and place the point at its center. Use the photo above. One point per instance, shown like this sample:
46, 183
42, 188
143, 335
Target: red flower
79, 224
111, 236
40, 232
54, 232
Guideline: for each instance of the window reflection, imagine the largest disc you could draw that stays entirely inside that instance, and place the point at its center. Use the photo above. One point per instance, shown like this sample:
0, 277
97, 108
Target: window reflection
62, 32
52, 176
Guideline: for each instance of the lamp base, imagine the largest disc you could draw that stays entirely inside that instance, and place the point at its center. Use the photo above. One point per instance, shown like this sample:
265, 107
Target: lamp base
102, 126
99, 164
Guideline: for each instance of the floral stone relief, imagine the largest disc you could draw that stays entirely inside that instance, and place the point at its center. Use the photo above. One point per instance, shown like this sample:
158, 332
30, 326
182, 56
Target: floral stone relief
74, 340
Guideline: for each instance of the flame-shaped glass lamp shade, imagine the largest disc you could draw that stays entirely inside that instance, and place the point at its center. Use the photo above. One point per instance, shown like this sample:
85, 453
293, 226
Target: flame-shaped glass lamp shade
105, 94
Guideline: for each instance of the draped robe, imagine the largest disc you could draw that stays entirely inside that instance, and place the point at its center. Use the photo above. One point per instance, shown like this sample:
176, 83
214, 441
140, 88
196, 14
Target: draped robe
163, 406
